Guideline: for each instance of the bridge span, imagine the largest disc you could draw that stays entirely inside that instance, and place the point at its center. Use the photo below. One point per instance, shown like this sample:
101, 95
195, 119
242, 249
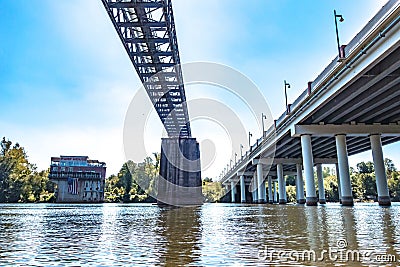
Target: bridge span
351, 107
146, 29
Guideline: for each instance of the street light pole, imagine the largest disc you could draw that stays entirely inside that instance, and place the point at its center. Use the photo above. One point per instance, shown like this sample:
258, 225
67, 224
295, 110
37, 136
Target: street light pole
250, 135
341, 19
263, 116
235, 157
287, 86
241, 150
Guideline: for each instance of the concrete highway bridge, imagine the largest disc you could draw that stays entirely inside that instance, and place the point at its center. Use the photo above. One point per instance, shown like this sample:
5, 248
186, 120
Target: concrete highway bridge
351, 107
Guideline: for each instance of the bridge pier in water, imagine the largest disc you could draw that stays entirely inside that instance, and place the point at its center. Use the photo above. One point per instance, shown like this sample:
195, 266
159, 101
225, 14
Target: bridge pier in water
179, 183
242, 189
321, 189
299, 185
311, 197
260, 184
380, 173
281, 184
233, 192
344, 174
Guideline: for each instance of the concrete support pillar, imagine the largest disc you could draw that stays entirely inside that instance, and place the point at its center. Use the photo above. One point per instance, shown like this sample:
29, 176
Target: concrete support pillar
261, 184
321, 188
255, 196
270, 196
281, 184
275, 192
264, 191
338, 182
379, 165
242, 189
306, 148
345, 183
180, 173
233, 191
255, 188
300, 185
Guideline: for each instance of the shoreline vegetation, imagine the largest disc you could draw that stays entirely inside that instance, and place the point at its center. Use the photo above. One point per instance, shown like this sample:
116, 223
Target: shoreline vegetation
22, 182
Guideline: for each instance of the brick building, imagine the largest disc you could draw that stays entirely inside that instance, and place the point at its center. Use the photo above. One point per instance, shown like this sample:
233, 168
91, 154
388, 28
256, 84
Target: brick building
78, 179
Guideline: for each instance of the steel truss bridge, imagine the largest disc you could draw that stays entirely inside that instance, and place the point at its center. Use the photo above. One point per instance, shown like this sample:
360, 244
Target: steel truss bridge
147, 31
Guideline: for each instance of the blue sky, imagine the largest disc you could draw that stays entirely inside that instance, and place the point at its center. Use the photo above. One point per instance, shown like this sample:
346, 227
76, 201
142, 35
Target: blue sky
66, 82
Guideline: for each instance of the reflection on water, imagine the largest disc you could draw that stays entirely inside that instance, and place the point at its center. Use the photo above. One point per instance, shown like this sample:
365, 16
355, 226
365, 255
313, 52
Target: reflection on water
211, 235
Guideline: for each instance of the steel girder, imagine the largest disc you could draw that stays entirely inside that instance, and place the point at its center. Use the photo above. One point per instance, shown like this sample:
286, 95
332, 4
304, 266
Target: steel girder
147, 31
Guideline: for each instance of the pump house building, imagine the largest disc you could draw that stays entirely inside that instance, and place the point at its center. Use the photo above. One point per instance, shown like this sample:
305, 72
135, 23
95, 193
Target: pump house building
78, 179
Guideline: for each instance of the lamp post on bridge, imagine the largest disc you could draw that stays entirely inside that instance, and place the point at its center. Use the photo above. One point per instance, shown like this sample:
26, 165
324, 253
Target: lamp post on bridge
287, 86
341, 19
263, 116
230, 163
250, 135
235, 157
241, 150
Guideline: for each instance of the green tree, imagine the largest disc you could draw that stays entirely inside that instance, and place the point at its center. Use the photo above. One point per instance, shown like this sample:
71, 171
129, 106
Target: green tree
290, 180
331, 188
291, 193
36, 187
393, 177
389, 166
367, 167
213, 191
14, 169
19, 180
125, 180
207, 180
134, 182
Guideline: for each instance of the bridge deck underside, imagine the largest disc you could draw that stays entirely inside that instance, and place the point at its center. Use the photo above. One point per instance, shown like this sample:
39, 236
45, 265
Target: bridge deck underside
147, 32
374, 97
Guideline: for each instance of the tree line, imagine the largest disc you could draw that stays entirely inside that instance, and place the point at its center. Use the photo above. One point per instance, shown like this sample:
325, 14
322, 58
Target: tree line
20, 181
363, 182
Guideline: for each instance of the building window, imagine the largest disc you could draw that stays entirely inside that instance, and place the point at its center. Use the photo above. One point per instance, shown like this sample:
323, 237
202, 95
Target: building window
55, 169
70, 169
63, 169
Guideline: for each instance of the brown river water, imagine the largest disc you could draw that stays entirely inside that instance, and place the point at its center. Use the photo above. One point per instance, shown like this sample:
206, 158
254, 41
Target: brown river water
210, 235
